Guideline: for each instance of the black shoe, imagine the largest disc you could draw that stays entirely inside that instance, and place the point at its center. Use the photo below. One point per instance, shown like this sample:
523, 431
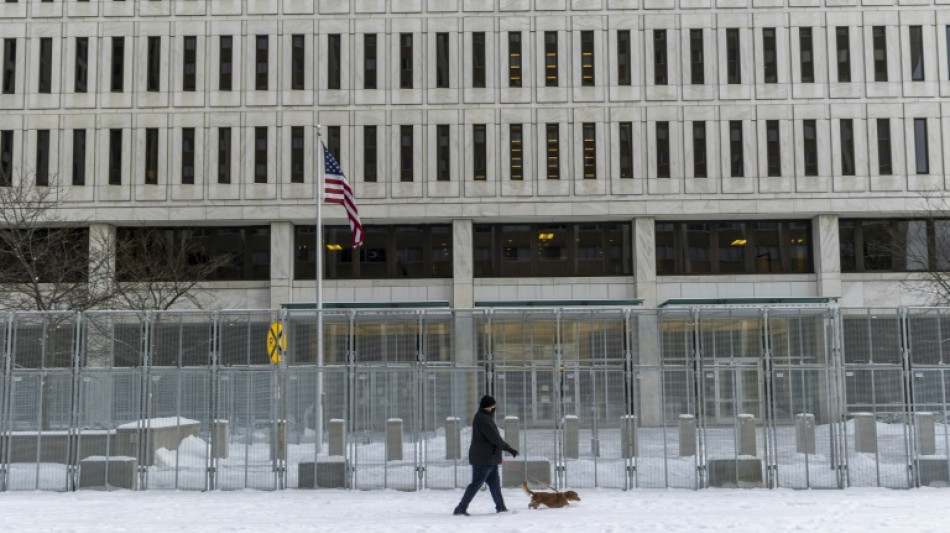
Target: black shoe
503, 510
459, 512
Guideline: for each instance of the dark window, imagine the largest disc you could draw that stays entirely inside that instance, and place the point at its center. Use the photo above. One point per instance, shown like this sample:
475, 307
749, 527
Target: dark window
879, 38
45, 74
550, 59
697, 67
736, 156
886, 245
296, 154
590, 150
115, 157
442, 60
443, 152
843, 47
699, 149
6, 158
516, 141
884, 147
478, 59
153, 75
189, 63
42, 158
260, 154
807, 55
916, 53
82, 65
810, 135
847, 147
769, 55
298, 62
334, 60
9, 66
79, 157
948, 48
552, 249
405, 61
226, 67
224, 155
514, 59
625, 131
405, 153
733, 65
151, 156
553, 142
369, 61
662, 149
118, 64
369, 154
480, 152
260, 62
587, 58
659, 57
335, 142
773, 148
188, 156
624, 58
920, 146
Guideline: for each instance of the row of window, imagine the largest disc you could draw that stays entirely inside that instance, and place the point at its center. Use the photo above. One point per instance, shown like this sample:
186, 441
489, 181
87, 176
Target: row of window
736, 40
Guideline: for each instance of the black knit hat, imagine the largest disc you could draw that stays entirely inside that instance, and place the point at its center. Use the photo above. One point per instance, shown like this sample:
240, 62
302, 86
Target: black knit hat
486, 401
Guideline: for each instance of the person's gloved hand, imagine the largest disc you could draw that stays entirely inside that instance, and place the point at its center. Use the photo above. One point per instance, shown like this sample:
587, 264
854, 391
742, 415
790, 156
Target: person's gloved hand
513, 452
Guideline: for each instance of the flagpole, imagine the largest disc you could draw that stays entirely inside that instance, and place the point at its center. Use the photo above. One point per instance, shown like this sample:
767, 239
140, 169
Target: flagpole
318, 306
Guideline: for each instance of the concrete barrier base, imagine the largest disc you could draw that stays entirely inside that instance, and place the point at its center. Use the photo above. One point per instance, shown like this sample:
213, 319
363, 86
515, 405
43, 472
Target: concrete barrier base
115, 472
328, 475
735, 473
539, 470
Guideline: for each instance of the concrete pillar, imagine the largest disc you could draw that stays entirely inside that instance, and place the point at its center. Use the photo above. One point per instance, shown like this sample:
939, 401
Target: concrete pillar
865, 433
220, 437
394, 439
827, 254
805, 433
687, 435
453, 438
102, 250
282, 263
926, 436
463, 271
649, 379
571, 440
337, 431
746, 444
628, 436
512, 432
278, 441
644, 260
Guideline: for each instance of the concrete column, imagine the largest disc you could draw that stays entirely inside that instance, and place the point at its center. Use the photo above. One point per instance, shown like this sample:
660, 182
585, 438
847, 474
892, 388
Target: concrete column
827, 254
648, 360
687, 435
628, 436
865, 433
278, 441
644, 260
453, 438
571, 439
337, 431
394, 439
512, 431
926, 436
805, 433
463, 287
102, 249
220, 438
282, 264
747, 440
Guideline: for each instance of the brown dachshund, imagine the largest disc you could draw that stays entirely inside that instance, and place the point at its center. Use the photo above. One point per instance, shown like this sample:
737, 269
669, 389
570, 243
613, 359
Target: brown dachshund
551, 499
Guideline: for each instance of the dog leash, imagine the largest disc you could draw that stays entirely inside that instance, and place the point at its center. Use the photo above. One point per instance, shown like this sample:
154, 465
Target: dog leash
536, 481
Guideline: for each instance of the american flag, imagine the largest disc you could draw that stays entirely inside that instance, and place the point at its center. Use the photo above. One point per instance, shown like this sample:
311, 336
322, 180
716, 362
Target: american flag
338, 191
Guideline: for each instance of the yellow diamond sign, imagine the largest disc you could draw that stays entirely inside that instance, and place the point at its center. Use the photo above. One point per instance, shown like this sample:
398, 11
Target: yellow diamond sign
276, 343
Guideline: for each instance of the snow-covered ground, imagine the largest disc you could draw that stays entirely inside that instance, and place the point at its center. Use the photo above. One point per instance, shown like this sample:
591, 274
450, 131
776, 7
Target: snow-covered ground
602, 510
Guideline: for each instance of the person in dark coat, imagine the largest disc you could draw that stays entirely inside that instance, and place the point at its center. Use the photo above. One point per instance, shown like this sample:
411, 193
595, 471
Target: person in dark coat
485, 455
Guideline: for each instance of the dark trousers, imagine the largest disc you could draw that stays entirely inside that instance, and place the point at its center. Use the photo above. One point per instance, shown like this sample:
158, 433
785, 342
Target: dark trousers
482, 474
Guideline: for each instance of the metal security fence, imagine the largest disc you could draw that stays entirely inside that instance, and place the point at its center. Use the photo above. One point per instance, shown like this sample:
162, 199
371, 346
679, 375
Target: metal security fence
684, 397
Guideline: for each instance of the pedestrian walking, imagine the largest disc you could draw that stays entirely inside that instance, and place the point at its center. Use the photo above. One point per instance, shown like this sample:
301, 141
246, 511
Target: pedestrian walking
484, 455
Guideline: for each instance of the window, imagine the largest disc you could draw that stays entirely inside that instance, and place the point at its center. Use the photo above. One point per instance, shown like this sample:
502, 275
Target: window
806, 55
916, 53
550, 59
6, 158
625, 134
843, 45
769, 55
948, 48
298, 62
260, 62
405, 154
884, 147
920, 146
115, 157
334, 142
697, 67
879, 38
444, 153
773, 149
405, 61
810, 136
45, 74
42, 158
733, 66
553, 141
514, 59
442, 60
624, 58
736, 156
846, 126
9, 66
334, 61
587, 58
224, 155
590, 150
369, 61
659, 57
296, 154
478, 59
516, 146
662, 149
260, 154
480, 154
889, 245
369, 154
699, 149
80, 83
79, 157
189, 63
153, 74
188, 156
118, 64
151, 156
225, 67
